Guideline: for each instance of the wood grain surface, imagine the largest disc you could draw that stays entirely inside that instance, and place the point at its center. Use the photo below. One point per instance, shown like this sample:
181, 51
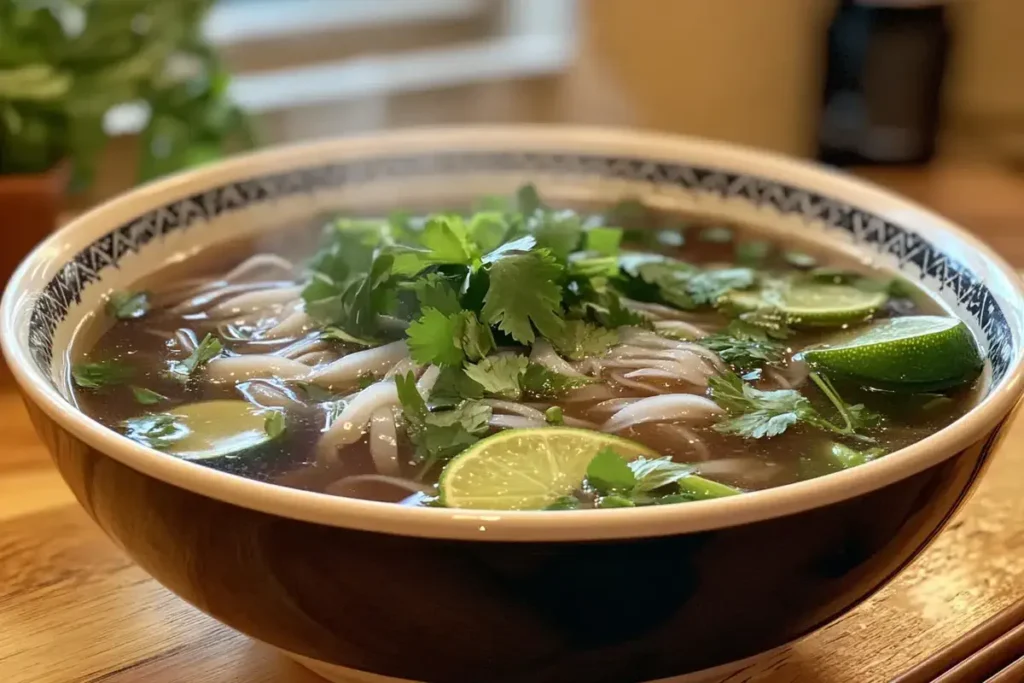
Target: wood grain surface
74, 609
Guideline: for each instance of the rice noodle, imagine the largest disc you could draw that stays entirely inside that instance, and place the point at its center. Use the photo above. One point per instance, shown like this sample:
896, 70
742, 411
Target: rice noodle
778, 378
680, 326
612, 405
544, 354
513, 408
660, 312
427, 380
339, 487
384, 442
260, 300
347, 369
301, 347
650, 373
693, 371
403, 367
269, 395
186, 339
742, 469
591, 392
317, 358
354, 418
254, 366
210, 297
515, 422
578, 423
679, 350
643, 387
294, 324
687, 436
662, 408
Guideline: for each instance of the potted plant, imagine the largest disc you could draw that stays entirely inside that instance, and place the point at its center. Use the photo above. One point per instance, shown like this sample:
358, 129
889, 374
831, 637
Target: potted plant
65, 64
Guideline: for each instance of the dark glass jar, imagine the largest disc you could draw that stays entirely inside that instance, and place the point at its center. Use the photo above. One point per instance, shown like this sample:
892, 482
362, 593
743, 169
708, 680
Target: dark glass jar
885, 67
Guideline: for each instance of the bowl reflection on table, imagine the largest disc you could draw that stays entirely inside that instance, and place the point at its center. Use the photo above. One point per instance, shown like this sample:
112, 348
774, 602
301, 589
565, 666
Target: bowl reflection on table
443, 595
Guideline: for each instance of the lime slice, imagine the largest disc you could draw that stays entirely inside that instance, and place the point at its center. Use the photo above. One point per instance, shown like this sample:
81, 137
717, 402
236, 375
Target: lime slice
914, 353
526, 469
216, 428
814, 303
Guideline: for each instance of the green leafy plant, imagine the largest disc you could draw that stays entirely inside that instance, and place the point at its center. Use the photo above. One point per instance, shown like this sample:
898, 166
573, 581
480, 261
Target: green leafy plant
64, 64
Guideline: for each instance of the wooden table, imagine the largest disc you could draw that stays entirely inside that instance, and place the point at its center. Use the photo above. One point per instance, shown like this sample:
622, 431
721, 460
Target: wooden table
73, 608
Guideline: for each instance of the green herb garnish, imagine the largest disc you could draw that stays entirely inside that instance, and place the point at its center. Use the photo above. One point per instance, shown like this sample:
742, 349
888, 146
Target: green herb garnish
274, 425
147, 397
101, 374
128, 305
208, 349
156, 431
443, 434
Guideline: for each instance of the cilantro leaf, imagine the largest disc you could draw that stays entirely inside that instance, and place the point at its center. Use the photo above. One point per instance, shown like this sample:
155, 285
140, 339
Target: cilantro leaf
527, 200
452, 387
707, 287
580, 340
101, 374
603, 241
540, 383
755, 413
274, 425
557, 231
447, 340
351, 299
440, 435
657, 473
488, 230
436, 291
609, 473
854, 417
156, 431
523, 293
447, 241
332, 333
147, 397
499, 375
744, 346
477, 339
525, 243
209, 348
128, 305
434, 338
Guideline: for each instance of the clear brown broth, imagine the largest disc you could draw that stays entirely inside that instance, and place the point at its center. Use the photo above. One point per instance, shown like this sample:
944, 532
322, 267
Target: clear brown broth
291, 461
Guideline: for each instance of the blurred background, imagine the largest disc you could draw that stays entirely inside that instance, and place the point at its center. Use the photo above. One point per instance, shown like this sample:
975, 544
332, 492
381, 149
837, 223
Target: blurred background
123, 90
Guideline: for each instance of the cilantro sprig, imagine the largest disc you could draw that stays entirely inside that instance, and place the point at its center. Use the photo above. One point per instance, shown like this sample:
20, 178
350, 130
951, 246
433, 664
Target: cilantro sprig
756, 414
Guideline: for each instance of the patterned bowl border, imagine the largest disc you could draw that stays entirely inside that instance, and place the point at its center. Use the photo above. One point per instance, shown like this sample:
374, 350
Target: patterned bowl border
973, 297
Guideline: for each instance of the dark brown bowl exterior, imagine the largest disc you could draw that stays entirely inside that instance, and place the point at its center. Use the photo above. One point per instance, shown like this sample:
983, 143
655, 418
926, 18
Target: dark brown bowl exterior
462, 611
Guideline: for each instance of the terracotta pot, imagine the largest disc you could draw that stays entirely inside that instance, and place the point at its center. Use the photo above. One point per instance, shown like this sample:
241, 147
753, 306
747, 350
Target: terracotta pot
29, 209
30, 206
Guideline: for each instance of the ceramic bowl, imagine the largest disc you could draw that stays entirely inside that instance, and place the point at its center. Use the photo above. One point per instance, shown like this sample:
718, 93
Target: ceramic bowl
450, 596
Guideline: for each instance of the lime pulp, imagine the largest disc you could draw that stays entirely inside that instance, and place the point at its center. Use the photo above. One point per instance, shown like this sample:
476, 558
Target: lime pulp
814, 303
526, 469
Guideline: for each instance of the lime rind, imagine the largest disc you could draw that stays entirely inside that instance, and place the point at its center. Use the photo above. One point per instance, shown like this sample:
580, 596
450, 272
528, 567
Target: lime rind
914, 353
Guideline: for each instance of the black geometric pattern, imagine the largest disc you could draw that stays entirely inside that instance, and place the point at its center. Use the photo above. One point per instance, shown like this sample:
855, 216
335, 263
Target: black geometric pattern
974, 298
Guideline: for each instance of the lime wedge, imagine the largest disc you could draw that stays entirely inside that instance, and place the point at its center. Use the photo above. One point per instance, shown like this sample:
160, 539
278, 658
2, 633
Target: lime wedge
914, 353
815, 304
526, 469
216, 428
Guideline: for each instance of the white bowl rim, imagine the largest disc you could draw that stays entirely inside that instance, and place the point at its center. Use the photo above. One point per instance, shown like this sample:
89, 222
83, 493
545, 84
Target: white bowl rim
544, 526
